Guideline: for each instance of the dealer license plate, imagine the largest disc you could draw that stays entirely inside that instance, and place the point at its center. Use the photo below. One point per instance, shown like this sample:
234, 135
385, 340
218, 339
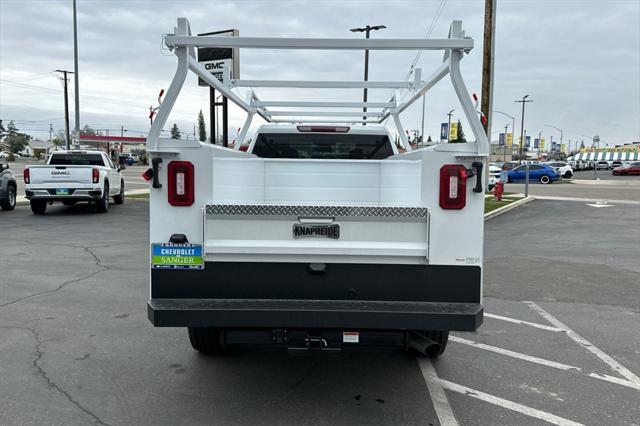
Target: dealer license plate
177, 256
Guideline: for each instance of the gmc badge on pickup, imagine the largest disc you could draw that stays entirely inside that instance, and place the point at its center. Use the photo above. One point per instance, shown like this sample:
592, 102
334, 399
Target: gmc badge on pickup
318, 231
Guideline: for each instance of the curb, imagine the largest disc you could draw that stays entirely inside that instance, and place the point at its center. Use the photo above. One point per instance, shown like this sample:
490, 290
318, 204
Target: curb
22, 201
501, 210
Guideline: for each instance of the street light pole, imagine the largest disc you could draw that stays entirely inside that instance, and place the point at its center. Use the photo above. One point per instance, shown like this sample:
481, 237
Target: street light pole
513, 126
504, 147
523, 101
558, 129
449, 126
366, 30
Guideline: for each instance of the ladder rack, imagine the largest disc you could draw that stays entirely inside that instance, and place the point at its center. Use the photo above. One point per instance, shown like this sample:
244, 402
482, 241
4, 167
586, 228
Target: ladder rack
183, 43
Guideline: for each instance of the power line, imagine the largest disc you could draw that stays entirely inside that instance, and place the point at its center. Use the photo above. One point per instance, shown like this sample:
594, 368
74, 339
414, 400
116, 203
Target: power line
429, 31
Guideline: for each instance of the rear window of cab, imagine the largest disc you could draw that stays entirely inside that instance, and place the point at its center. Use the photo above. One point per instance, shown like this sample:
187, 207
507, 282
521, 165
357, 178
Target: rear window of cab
323, 146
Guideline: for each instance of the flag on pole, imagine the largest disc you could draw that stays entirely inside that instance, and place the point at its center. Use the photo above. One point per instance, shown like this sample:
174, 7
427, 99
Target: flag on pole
444, 130
453, 134
501, 139
509, 139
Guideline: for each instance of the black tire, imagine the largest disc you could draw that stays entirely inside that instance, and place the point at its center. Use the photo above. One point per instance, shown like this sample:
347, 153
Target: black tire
9, 200
38, 206
207, 340
544, 179
102, 206
69, 203
119, 199
567, 175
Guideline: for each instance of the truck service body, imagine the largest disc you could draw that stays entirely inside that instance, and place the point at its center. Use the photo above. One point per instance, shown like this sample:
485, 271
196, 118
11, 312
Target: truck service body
319, 235
73, 176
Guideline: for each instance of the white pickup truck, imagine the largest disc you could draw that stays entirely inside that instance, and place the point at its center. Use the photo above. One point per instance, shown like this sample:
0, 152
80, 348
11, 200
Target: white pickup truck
73, 176
323, 234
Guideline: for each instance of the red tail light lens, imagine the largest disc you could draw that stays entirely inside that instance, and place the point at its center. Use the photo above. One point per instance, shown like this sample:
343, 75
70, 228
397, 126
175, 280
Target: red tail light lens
26, 176
181, 183
453, 186
95, 176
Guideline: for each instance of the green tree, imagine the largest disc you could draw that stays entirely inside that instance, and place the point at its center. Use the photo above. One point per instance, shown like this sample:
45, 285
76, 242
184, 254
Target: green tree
3, 131
460, 138
15, 140
202, 130
175, 132
88, 131
429, 139
58, 140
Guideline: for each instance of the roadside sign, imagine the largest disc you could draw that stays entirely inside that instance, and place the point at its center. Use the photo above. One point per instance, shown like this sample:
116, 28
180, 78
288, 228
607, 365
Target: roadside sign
509, 139
221, 62
501, 139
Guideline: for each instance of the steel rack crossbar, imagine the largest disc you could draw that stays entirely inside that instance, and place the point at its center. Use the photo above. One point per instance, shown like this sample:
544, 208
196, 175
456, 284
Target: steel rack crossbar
183, 43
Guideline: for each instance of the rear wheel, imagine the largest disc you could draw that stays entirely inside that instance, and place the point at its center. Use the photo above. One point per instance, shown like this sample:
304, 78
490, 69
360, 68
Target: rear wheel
38, 206
102, 206
119, 199
568, 174
9, 200
544, 179
207, 340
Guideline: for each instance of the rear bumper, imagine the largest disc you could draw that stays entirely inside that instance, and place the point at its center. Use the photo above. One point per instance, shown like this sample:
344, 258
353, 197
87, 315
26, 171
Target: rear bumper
84, 194
293, 295
338, 314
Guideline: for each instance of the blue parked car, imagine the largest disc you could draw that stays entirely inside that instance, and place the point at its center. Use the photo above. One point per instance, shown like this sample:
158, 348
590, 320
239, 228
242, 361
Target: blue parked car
540, 172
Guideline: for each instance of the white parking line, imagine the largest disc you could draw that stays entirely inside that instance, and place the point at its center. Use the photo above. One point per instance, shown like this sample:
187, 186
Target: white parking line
545, 362
612, 363
438, 397
522, 322
505, 403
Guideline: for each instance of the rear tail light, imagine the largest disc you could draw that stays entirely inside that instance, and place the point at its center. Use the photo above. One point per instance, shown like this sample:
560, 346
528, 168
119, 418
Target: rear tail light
453, 186
95, 176
25, 175
181, 183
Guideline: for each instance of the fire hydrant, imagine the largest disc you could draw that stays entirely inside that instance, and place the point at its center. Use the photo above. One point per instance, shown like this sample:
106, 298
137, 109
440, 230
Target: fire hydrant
498, 190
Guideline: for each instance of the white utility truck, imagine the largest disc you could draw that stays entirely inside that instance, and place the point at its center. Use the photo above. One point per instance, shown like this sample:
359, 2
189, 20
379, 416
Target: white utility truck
323, 234
73, 176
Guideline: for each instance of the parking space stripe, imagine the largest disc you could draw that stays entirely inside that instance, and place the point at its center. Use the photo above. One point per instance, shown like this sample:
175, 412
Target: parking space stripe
612, 363
505, 403
545, 362
523, 322
438, 396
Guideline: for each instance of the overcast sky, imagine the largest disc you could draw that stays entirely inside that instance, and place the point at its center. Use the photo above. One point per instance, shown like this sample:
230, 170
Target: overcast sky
578, 60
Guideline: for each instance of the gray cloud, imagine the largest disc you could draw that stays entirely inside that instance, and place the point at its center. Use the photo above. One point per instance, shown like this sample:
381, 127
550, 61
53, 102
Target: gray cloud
579, 60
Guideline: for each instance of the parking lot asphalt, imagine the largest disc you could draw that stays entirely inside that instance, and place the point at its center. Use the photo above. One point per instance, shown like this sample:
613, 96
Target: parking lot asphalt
603, 175
560, 342
599, 191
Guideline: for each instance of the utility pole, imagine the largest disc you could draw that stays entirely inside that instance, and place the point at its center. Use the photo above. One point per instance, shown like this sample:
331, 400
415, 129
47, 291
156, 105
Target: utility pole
450, 113
65, 83
75, 69
50, 131
523, 101
423, 100
539, 141
366, 30
486, 105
